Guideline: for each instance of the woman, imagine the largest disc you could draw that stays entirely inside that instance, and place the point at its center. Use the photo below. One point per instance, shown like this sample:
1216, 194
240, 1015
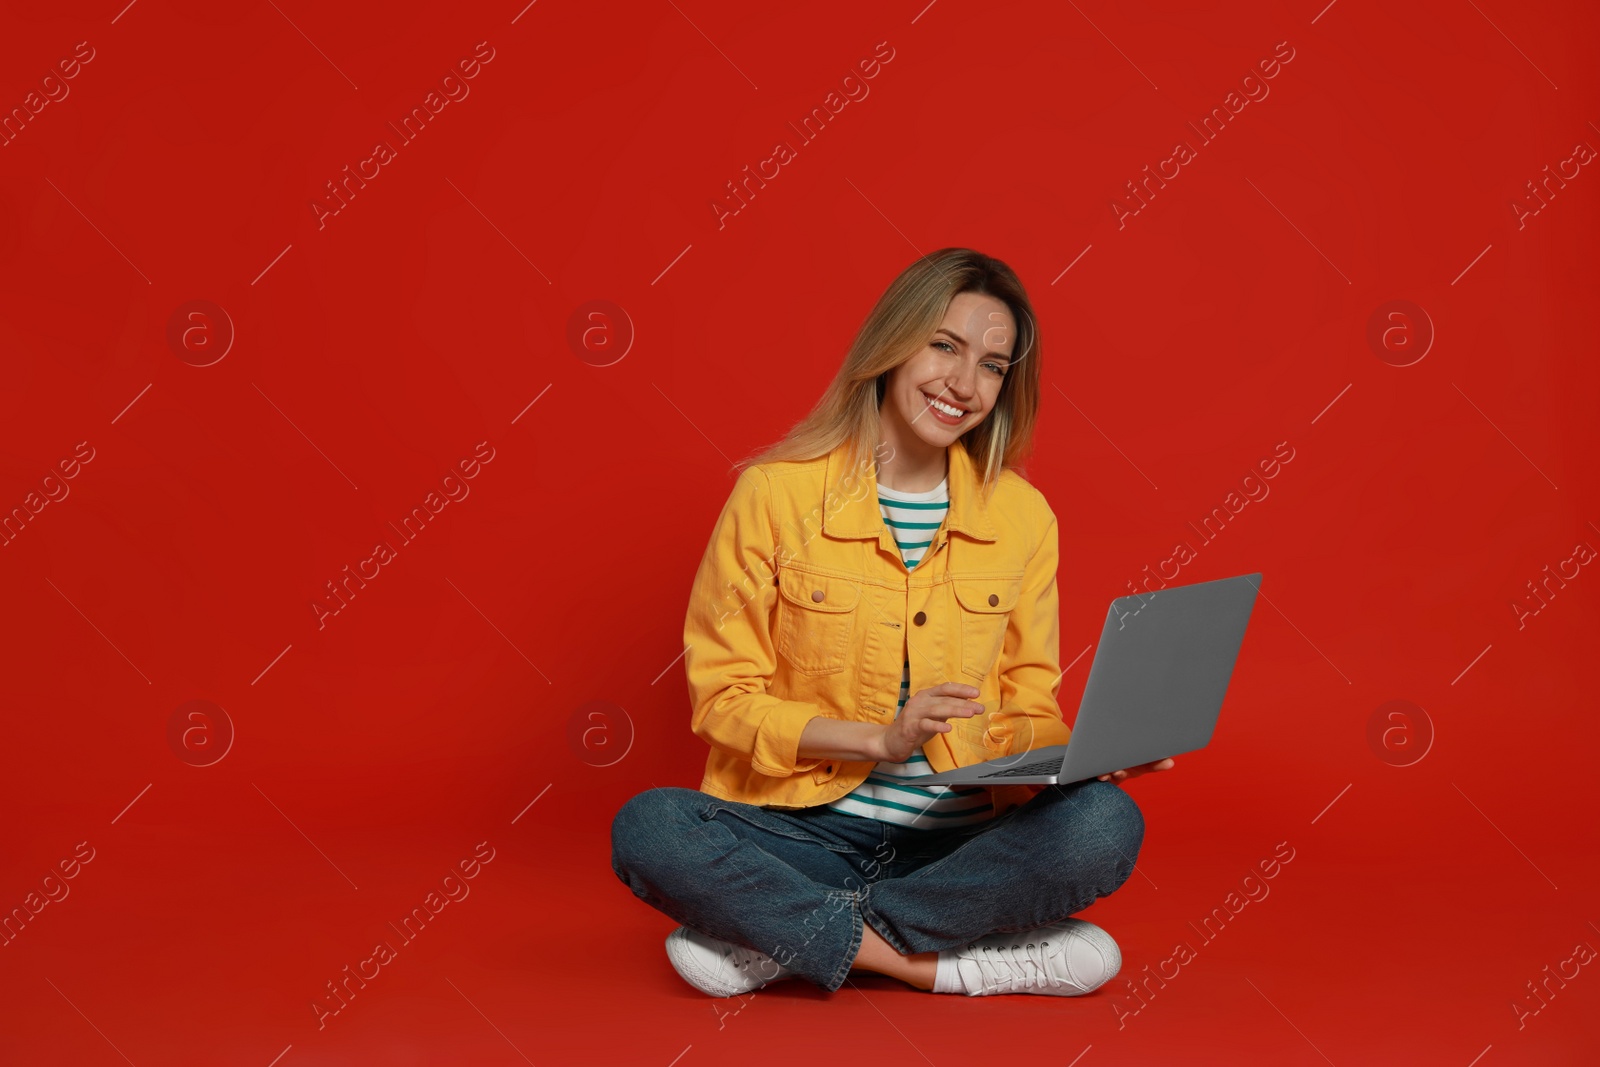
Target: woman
878, 602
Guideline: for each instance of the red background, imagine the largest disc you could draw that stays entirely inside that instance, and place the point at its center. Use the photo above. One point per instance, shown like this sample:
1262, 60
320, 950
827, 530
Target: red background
372, 354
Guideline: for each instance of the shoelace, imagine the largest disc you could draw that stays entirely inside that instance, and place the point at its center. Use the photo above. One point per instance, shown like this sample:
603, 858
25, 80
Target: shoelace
742, 958
1013, 967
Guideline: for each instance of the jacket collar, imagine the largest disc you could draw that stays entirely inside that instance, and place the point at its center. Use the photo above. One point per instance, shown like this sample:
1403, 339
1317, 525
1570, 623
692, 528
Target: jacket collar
857, 514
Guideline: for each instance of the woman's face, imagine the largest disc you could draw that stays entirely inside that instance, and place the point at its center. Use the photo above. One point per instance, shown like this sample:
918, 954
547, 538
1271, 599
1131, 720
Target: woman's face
960, 367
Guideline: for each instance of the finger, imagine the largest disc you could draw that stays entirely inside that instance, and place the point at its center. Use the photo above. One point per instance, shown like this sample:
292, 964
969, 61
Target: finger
957, 711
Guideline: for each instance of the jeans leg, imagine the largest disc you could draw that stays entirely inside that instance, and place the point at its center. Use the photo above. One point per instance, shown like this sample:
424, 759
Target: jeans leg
762, 878
1035, 865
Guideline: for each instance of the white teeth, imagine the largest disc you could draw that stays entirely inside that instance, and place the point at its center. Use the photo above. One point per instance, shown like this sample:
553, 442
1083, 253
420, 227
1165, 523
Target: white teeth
942, 406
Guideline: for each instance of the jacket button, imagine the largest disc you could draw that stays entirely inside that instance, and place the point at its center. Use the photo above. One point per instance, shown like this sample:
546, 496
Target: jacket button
993, 600
817, 595
919, 618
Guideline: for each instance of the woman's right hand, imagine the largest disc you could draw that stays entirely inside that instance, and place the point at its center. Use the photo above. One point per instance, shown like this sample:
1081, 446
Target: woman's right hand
924, 715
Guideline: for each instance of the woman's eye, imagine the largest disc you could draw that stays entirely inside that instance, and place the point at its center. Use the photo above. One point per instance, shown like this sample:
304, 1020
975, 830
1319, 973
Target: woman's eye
998, 368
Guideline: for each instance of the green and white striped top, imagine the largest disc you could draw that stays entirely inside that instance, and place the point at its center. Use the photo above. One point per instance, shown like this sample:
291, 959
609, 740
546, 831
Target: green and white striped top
888, 793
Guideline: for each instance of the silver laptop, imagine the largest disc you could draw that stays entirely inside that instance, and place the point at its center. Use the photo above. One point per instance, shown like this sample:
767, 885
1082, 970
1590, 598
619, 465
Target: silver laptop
1155, 689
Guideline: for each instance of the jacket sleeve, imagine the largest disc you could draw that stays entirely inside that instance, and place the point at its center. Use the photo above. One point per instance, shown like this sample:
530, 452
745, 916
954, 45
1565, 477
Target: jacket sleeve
731, 655
1030, 660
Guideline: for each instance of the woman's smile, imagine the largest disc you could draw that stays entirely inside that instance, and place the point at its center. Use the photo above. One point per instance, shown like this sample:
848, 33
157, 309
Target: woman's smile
945, 412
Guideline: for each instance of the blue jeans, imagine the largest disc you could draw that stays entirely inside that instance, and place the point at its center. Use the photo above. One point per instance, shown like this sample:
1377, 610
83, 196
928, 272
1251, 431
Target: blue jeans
798, 884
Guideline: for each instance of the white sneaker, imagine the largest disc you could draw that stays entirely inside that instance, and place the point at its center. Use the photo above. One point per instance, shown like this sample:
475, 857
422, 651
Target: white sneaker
720, 968
1068, 959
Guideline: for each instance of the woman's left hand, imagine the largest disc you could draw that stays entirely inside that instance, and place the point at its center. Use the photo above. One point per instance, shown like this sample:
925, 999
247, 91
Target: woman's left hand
1143, 768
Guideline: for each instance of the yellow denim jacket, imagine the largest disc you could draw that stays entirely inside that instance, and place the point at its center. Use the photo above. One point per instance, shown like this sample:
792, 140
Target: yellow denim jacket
802, 607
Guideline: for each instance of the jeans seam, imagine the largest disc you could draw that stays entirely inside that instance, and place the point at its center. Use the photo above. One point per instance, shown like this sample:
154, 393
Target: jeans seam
1036, 926
890, 938
858, 932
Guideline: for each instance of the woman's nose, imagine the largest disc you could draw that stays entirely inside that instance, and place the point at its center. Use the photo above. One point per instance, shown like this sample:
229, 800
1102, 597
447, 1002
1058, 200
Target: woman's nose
962, 387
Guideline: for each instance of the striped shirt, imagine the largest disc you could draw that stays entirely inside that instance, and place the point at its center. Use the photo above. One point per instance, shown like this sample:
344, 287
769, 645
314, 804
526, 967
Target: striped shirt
888, 793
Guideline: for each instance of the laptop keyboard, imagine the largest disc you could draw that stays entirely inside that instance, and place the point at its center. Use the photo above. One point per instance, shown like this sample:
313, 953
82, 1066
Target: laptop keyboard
1042, 766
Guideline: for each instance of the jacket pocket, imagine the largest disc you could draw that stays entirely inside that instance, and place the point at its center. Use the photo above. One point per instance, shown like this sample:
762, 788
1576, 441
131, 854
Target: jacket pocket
985, 605
816, 619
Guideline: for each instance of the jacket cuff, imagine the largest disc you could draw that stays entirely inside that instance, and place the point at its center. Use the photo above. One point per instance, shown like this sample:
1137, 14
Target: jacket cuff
1026, 732
777, 742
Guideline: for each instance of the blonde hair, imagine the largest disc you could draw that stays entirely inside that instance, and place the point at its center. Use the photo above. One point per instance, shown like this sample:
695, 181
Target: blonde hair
903, 320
